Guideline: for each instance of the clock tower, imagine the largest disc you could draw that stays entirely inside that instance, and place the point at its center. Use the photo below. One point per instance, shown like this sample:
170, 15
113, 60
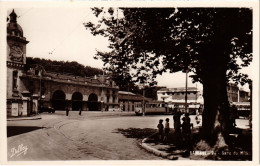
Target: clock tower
16, 59
16, 42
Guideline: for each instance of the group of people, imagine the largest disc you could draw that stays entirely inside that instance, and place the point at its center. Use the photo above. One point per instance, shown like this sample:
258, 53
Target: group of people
184, 127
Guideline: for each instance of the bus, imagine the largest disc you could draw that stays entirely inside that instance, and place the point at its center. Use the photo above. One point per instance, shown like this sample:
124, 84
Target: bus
243, 108
154, 107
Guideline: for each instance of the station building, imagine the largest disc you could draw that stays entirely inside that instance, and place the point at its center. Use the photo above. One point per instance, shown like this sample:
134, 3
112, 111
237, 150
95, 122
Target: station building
29, 89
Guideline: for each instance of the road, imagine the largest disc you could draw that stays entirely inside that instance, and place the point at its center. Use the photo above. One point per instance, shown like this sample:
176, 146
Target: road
92, 136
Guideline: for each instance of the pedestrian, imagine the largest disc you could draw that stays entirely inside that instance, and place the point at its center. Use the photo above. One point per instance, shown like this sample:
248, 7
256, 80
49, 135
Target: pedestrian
80, 111
233, 116
197, 118
186, 128
177, 121
200, 109
175, 109
160, 129
67, 111
166, 130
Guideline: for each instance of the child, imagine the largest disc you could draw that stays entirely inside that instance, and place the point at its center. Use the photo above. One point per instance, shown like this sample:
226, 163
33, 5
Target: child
160, 128
166, 130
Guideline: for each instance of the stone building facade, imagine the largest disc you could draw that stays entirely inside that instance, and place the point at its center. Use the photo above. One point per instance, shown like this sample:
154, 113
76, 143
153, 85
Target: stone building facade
235, 94
29, 89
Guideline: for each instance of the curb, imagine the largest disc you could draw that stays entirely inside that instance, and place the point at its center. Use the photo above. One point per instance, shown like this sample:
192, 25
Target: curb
17, 119
144, 145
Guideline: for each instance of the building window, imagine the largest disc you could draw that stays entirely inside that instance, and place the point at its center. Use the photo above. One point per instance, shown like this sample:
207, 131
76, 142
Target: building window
107, 99
15, 75
114, 99
31, 87
42, 88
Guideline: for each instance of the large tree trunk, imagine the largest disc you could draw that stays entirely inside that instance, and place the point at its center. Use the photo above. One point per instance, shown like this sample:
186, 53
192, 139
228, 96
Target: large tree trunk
216, 105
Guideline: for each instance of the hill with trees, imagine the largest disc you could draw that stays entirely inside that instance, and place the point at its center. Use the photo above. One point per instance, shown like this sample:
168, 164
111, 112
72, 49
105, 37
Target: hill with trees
73, 67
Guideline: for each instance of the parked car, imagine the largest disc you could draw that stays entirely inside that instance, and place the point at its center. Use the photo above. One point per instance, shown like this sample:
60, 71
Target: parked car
48, 109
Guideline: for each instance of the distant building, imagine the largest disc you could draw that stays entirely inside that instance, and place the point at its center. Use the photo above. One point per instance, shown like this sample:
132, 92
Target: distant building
237, 95
244, 96
232, 91
29, 89
128, 101
177, 95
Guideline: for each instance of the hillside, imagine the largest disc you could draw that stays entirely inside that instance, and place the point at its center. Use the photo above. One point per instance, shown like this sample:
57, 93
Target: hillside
63, 67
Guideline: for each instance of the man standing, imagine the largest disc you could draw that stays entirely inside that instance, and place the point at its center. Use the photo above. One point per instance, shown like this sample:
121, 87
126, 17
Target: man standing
80, 111
67, 111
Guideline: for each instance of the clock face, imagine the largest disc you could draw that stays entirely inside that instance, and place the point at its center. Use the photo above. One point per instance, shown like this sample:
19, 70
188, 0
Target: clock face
16, 53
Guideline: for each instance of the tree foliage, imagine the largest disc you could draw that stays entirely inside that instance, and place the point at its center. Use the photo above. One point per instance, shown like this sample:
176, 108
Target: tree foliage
150, 41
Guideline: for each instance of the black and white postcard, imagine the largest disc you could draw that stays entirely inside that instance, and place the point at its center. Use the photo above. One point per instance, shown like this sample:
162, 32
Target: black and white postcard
135, 82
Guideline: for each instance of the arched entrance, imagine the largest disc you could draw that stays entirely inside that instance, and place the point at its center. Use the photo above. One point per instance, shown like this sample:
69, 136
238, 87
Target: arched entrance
58, 100
77, 101
93, 104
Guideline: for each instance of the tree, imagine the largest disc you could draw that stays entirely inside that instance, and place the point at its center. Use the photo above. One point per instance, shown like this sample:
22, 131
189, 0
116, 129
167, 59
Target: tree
213, 43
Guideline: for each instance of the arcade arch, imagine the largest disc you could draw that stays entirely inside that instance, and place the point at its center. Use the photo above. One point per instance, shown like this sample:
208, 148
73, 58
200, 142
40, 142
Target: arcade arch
76, 100
58, 100
93, 104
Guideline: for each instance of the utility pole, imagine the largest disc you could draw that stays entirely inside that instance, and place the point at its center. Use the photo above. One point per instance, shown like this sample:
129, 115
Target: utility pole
143, 102
186, 91
251, 106
128, 97
102, 92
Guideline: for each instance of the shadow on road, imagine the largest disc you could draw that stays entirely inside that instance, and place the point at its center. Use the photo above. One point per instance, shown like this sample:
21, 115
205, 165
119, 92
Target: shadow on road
136, 132
17, 130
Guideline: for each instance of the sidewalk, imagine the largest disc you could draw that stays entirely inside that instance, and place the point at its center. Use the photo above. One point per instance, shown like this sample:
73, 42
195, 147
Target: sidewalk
35, 117
174, 150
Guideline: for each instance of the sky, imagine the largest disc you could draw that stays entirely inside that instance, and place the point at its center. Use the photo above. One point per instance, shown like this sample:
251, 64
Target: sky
59, 34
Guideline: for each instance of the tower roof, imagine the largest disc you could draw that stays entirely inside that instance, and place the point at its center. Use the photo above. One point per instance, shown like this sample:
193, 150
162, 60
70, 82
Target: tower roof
13, 28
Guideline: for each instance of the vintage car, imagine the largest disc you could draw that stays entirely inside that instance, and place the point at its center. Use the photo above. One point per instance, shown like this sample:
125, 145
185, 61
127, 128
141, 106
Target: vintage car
48, 109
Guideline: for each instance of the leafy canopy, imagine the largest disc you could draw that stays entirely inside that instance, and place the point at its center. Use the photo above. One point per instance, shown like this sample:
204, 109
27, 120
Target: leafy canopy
145, 42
